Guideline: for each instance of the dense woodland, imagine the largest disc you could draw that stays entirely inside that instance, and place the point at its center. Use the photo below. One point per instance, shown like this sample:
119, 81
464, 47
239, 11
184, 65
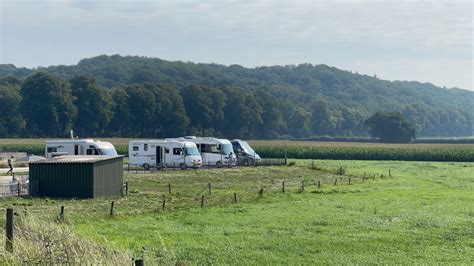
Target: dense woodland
149, 97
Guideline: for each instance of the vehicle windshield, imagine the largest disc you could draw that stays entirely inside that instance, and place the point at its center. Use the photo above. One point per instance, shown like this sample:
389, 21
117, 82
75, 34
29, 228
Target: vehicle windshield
247, 147
227, 149
191, 151
109, 152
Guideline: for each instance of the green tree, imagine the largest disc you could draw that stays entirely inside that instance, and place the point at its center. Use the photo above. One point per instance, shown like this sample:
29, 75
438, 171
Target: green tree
47, 106
120, 123
95, 106
11, 120
390, 127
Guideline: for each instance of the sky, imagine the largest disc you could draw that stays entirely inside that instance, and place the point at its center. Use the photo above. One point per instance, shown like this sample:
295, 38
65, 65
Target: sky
426, 41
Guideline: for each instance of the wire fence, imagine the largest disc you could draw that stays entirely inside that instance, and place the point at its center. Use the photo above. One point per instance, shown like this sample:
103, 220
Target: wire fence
19, 186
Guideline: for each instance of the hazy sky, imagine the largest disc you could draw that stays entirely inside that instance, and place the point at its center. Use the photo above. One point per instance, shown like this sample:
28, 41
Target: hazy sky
427, 41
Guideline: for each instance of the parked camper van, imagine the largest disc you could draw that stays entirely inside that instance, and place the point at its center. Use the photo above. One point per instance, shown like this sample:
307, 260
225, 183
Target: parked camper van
78, 147
245, 154
163, 153
214, 151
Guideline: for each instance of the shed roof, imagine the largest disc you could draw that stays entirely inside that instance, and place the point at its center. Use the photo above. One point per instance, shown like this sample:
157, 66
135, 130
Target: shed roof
77, 159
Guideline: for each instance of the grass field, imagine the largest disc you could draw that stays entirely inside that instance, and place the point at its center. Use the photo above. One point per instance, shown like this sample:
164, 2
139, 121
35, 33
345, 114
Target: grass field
423, 213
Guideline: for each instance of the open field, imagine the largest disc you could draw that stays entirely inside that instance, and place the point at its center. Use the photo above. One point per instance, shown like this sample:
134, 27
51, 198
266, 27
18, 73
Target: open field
309, 150
422, 213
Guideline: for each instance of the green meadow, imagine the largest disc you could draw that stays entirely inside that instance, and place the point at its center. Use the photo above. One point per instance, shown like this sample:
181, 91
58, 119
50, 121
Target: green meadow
376, 212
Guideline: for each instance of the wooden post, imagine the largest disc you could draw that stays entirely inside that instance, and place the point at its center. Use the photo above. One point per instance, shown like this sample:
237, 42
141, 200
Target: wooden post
209, 186
19, 188
9, 231
126, 188
302, 186
389, 173
283, 186
312, 165
349, 180
319, 184
128, 168
235, 197
139, 262
136, 168
164, 203
286, 154
381, 176
260, 193
112, 209
202, 201
169, 188
61, 214
335, 182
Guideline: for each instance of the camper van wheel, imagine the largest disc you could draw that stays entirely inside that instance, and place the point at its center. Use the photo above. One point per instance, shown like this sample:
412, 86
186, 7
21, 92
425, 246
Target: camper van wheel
219, 164
182, 166
146, 166
246, 162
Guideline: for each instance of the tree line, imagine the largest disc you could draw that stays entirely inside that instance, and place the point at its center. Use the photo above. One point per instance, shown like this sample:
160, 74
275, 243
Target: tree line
149, 97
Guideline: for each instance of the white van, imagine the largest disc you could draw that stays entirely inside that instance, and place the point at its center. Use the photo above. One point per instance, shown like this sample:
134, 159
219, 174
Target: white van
78, 147
163, 153
214, 151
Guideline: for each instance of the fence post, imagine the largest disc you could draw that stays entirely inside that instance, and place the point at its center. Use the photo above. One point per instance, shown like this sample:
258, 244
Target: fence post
319, 183
335, 182
302, 186
169, 188
349, 180
164, 203
286, 154
235, 197
312, 165
260, 193
61, 214
283, 186
202, 201
9, 231
112, 209
209, 186
126, 188
19, 188
389, 173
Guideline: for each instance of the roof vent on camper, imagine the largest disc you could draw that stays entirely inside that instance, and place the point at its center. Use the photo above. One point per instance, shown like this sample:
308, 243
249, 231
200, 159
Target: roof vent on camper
190, 137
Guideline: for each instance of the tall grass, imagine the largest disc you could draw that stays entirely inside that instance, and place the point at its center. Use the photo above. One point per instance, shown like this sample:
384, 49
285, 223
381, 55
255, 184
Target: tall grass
39, 240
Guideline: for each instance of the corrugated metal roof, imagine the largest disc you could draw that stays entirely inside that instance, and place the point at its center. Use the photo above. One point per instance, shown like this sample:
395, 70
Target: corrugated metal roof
77, 159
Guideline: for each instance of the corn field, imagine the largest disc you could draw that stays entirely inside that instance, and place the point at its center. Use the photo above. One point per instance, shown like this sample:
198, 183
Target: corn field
311, 150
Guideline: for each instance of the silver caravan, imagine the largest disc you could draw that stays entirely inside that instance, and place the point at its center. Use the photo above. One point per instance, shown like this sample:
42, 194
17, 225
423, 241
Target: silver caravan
163, 153
214, 151
78, 147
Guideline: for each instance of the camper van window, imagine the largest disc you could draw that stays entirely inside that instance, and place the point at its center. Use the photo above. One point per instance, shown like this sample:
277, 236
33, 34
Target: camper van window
177, 151
91, 152
215, 148
135, 148
167, 150
52, 149
145, 147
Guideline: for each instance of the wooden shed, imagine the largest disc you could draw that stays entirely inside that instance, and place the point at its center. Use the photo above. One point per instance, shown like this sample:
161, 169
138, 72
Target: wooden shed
77, 177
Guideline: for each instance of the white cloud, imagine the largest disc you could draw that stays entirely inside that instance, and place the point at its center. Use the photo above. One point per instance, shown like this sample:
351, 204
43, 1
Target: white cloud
350, 34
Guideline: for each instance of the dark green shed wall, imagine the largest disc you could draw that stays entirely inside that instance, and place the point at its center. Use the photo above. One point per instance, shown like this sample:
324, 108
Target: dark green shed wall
77, 180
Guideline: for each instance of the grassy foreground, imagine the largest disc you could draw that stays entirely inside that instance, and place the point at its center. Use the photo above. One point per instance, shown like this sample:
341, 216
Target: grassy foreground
423, 213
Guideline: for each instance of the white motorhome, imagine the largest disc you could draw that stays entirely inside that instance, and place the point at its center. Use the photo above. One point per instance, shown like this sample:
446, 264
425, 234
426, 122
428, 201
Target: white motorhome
163, 153
78, 147
214, 151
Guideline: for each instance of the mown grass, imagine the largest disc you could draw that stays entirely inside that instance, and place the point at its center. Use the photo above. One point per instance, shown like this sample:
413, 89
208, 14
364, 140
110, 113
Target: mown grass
423, 213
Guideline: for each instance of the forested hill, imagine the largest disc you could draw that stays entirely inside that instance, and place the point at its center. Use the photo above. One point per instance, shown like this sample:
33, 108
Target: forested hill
263, 102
